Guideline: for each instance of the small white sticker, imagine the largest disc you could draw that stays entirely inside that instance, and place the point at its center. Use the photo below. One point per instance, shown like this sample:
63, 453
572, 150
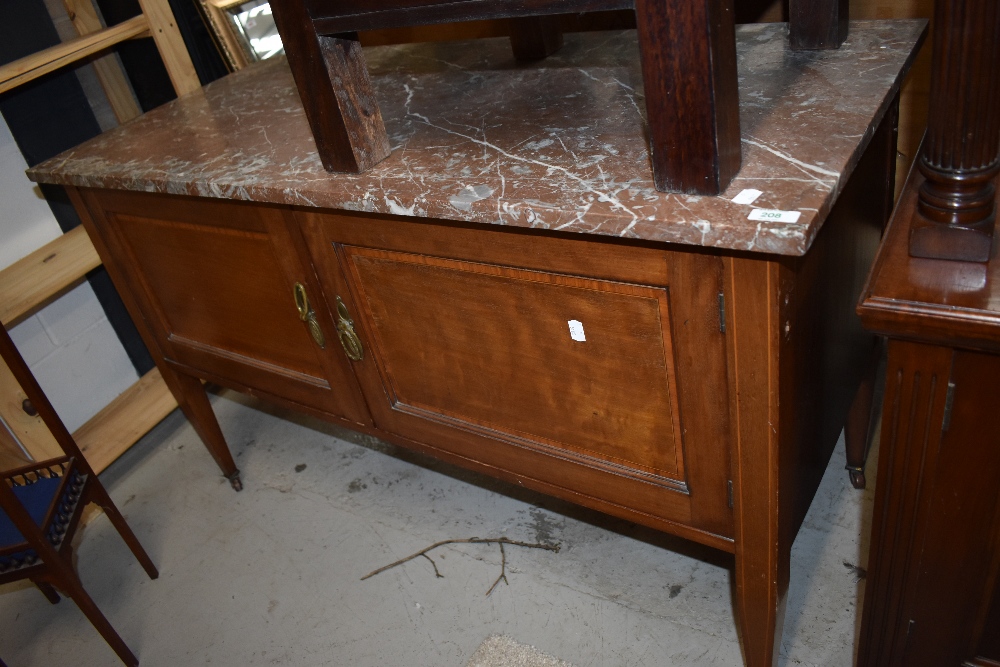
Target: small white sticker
748, 196
576, 331
767, 215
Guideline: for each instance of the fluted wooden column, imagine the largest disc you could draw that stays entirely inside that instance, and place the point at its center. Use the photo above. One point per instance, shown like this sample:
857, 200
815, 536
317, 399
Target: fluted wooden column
962, 149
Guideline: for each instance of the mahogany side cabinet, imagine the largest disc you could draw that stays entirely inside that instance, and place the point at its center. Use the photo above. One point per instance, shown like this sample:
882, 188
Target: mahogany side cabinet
509, 292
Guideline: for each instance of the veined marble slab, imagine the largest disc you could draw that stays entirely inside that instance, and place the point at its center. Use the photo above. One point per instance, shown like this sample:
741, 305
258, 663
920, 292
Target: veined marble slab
559, 145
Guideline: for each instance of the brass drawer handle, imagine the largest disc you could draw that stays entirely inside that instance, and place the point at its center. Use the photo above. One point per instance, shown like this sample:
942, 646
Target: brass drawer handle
345, 330
308, 315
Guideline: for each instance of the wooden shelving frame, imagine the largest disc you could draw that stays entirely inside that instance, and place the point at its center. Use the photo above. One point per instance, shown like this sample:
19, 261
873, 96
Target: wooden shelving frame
44, 275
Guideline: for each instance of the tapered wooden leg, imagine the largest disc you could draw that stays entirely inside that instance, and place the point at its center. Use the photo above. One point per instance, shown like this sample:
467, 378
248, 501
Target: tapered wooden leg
193, 401
688, 53
858, 429
102, 498
47, 590
761, 588
70, 584
762, 544
535, 37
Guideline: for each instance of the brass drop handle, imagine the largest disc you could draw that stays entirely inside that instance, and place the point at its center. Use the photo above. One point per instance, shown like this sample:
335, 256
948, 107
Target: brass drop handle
345, 330
308, 315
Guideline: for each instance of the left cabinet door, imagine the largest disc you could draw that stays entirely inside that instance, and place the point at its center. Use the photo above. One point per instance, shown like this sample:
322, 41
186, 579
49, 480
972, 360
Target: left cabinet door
226, 292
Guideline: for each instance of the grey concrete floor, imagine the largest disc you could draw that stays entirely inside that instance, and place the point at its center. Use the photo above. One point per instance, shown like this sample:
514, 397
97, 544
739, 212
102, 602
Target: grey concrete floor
271, 576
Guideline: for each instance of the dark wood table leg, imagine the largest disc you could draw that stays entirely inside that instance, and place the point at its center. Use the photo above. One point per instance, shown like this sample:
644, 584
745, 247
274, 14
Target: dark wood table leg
858, 431
341, 107
688, 52
535, 37
817, 24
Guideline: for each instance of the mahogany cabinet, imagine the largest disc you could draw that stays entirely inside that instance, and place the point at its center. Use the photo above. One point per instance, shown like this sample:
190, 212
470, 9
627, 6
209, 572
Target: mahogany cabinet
933, 591
509, 292
696, 391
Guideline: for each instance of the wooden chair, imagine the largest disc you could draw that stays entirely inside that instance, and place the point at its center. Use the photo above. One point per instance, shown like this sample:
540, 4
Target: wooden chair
41, 506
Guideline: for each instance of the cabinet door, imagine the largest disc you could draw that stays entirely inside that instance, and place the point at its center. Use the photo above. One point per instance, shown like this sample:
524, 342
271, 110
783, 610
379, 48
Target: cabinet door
216, 282
552, 359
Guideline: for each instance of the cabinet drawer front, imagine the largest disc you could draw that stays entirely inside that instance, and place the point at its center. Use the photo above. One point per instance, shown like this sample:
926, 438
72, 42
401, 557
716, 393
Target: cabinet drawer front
577, 366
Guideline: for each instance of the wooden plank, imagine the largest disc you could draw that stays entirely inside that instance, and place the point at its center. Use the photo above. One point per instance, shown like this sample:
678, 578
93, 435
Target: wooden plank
31, 67
29, 430
121, 423
109, 70
171, 46
45, 273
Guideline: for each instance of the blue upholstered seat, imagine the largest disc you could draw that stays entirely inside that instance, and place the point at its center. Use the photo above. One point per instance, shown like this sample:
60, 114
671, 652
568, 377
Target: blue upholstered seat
36, 498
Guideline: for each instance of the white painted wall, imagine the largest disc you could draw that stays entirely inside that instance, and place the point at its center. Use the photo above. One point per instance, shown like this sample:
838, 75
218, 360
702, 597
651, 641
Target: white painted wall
69, 345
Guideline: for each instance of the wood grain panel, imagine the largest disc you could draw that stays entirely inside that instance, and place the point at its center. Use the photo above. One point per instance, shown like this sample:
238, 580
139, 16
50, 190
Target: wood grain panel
567, 264
492, 347
214, 279
205, 293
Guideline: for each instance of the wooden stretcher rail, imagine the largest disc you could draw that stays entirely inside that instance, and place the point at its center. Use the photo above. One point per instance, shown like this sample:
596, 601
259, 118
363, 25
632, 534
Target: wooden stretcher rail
37, 64
34, 280
26, 286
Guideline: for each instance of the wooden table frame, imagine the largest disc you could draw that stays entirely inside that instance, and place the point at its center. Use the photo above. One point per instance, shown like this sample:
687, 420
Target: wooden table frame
688, 52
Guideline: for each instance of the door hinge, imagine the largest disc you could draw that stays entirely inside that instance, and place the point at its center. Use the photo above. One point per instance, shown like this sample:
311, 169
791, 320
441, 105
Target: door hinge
729, 485
949, 402
722, 312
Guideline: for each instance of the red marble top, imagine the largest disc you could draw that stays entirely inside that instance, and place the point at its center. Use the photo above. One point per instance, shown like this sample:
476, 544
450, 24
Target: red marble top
558, 145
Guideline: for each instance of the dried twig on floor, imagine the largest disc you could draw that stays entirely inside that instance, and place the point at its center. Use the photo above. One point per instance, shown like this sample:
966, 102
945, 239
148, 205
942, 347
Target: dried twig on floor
471, 540
503, 571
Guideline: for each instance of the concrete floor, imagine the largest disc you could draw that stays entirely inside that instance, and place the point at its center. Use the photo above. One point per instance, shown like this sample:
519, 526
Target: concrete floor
270, 576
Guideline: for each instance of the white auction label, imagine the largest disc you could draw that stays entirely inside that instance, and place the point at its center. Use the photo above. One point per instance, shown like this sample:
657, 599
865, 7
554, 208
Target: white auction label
576, 330
768, 215
748, 196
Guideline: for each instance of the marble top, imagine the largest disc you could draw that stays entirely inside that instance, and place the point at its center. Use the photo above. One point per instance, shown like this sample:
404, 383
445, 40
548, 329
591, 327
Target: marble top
557, 145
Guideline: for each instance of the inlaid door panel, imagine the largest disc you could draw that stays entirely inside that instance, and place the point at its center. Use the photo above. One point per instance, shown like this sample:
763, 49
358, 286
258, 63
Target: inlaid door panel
577, 365
591, 371
219, 277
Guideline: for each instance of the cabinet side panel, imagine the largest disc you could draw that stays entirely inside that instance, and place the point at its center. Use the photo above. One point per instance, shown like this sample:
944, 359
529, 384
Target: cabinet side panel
825, 352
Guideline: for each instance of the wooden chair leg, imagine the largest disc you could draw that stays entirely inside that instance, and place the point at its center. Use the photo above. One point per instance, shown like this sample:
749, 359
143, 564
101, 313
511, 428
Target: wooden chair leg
193, 401
72, 588
688, 53
118, 521
47, 590
858, 429
342, 110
